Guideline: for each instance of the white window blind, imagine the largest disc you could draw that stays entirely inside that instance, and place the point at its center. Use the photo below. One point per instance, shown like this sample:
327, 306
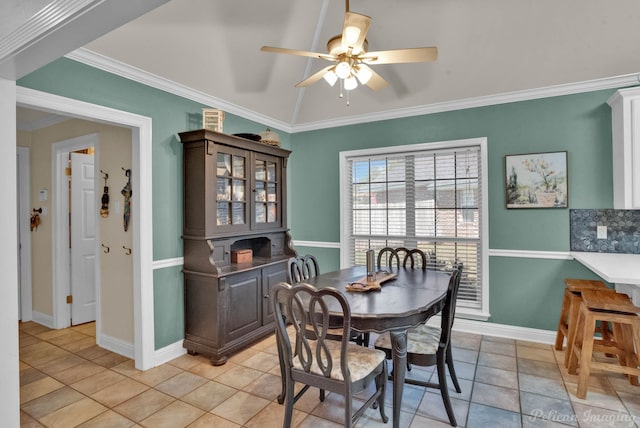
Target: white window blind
427, 199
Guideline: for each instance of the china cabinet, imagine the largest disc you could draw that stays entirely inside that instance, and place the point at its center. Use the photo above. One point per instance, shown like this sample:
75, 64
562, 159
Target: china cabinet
234, 203
625, 132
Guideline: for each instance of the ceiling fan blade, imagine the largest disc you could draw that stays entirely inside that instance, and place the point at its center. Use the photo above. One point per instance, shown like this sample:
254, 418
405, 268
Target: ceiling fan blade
314, 77
298, 53
354, 31
376, 81
398, 56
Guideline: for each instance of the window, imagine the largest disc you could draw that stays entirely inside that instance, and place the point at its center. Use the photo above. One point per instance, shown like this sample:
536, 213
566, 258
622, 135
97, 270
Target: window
429, 196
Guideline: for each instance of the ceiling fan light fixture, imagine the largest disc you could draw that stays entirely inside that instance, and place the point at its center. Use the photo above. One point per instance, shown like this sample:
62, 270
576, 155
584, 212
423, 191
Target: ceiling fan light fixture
343, 69
331, 77
363, 74
352, 33
350, 83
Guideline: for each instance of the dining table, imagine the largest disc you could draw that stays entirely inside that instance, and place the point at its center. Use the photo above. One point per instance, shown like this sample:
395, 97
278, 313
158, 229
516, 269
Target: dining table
410, 298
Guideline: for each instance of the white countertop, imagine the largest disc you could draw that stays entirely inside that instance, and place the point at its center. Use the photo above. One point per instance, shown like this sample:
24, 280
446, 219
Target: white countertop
612, 267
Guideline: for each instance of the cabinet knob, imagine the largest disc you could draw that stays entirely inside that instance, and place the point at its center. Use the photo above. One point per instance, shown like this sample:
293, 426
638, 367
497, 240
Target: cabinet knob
266, 296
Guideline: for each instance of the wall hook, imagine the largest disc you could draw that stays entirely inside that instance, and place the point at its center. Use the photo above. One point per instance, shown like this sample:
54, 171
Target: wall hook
105, 176
106, 249
127, 250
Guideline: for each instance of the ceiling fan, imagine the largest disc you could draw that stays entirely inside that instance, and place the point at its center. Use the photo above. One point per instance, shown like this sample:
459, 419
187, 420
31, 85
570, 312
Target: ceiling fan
349, 52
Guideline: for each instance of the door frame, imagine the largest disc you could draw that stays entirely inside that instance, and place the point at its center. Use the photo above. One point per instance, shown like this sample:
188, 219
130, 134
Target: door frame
24, 225
60, 231
141, 179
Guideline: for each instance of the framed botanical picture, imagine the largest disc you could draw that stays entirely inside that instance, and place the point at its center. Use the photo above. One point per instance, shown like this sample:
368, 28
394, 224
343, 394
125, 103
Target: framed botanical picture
537, 180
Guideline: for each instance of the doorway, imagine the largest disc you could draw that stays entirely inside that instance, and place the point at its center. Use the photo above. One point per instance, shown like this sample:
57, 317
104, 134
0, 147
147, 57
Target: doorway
142, 238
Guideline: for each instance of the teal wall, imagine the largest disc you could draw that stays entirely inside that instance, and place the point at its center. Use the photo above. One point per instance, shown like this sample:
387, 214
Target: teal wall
523, 292
170, 114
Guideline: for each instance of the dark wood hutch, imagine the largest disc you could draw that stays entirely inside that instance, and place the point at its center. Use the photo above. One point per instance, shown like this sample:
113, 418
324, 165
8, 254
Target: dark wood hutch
234, 199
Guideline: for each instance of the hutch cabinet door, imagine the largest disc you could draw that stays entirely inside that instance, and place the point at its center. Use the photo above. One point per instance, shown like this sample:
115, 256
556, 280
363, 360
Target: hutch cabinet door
244, 303
271, 276
267, 192
232, 184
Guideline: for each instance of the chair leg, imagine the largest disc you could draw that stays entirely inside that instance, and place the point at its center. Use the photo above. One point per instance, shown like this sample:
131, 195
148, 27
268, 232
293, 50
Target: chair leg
562, 323
289, 399
381, 385
444, 389
574, 310
282, 374
575, 339
586, 352
452, 370
322, 395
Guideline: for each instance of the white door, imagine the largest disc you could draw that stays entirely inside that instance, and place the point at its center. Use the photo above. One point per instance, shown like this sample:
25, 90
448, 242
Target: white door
83, 239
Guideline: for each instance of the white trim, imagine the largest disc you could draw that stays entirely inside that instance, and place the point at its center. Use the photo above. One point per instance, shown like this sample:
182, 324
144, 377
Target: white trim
166, 263
141, 157
44, 319
169, 353
116, 345
135, 74
316, 244
499, 330
24, 216
102, 62
531, 254
61, 275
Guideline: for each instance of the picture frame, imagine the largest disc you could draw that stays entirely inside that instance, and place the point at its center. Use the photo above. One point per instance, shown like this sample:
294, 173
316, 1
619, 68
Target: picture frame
537, 180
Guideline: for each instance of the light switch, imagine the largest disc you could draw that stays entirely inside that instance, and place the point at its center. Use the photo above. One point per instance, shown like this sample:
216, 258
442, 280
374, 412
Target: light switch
601, 232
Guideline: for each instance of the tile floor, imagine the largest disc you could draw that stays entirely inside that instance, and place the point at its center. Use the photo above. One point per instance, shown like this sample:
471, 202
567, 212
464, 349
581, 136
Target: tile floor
67, 381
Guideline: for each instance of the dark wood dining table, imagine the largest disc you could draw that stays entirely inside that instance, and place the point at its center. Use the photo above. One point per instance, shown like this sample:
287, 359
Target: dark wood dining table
404, 302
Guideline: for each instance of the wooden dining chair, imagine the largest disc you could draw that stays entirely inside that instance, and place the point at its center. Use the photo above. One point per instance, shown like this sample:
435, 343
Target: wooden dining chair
338, 366
386, 258
429, 346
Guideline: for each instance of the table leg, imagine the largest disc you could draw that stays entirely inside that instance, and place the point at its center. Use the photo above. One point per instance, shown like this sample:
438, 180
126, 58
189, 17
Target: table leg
399, 347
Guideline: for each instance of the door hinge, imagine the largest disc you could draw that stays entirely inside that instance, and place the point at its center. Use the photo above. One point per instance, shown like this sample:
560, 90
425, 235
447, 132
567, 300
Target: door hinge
67, 171
69, 299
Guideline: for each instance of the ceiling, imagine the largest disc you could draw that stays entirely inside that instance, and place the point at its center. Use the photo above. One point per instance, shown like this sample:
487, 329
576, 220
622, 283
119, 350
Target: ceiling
485, 48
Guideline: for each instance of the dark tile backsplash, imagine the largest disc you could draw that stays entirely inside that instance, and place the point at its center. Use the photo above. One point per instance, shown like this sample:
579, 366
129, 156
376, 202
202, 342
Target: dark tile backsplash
623, 231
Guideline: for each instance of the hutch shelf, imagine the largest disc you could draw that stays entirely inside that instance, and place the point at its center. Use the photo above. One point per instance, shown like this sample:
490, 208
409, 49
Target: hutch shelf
234, 201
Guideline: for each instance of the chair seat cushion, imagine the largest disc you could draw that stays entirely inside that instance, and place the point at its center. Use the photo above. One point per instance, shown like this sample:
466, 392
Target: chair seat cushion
423, 339
361, 361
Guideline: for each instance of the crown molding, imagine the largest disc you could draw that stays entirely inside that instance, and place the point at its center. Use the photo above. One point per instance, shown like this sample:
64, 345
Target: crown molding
121, 69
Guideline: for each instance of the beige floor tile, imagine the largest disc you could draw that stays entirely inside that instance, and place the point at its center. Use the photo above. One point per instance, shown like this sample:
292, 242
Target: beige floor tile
27, 421
24, 366
52, 334
267, 386
156, 375
108, 419
144, 405
209, 395
60, 364
262, 361
51, 402
28, 340
92, 352
79, 345
88, 328
181, 384
210, 371
74, 414
40, 353
240, 407
176, 415
208, 421
78, 372
243, 355
273, 416
70, 337
186, 361
312, 421
538, 354
127, 368
239, 377
33, 328
30, 375
119, 392
94, 383
38, 389
110, 359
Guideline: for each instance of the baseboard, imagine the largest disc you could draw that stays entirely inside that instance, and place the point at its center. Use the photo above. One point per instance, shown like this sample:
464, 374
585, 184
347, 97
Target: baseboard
126, 349
44, 319
168, 353
500, 330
